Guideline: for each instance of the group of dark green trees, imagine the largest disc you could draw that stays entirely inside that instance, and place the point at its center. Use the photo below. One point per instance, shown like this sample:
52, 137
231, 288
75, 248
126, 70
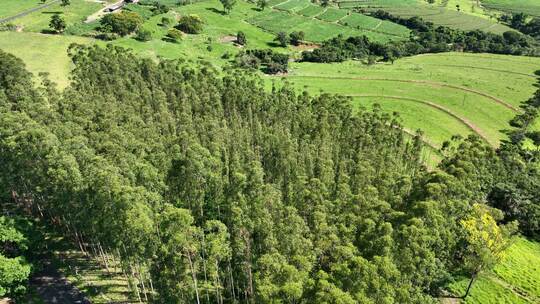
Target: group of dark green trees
425, 38
214, 189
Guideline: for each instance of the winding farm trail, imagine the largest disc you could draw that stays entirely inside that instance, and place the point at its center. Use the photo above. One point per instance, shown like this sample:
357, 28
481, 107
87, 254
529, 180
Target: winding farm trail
52, 287
434, 105
427, 82
29, 11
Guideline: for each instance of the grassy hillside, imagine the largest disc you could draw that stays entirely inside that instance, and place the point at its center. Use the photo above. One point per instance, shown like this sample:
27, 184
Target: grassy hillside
530, 7
13, 7
515, 280
323, 23
459, 87
441, 13
38, 21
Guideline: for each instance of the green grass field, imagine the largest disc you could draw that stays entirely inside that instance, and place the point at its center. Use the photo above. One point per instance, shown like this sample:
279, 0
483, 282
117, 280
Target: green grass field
311, 10
515, 280
76, 12
530, 7
320, 23
459, 87
468, 18
10, 8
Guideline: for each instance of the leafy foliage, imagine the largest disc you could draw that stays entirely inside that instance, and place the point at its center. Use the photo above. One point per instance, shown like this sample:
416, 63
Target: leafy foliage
214, 189
122, 23
191, 24
425, 38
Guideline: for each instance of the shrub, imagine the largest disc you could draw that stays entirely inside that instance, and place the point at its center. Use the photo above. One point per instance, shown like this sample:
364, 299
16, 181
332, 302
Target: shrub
122, 23
241, 38
296, 37
144, 35
174, 35
191, 24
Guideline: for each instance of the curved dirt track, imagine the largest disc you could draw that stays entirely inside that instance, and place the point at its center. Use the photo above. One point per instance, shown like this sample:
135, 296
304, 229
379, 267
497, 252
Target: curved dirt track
482, 68
462, 120
427, 82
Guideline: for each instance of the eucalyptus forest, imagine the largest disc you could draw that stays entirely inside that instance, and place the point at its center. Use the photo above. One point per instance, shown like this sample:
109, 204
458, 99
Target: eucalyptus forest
240, 179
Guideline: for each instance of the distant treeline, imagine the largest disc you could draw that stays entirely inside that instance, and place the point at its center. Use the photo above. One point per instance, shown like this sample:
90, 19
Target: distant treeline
425, 38
521, 23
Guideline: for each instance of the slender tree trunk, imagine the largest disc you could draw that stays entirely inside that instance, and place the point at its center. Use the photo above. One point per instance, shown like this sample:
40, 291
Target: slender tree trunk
194, 277
135, 283
473, 277
141, 278
102, 254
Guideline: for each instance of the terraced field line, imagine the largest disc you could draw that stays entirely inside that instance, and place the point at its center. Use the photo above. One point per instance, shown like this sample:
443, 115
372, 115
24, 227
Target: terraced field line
428, 82
315, 16
280, 3
434, 105
378, 24
481, 68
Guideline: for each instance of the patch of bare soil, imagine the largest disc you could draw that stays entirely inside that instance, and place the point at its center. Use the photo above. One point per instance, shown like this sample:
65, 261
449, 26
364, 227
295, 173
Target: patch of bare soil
227, 39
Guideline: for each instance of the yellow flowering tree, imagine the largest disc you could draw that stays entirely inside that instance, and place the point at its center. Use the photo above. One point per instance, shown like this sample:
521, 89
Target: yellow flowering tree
486, 240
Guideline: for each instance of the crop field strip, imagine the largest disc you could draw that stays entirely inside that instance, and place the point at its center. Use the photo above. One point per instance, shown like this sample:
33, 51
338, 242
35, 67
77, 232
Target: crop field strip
529, 7
320, 23
439, 15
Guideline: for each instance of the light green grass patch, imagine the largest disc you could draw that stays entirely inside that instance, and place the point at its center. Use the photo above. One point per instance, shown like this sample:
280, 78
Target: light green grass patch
43, 53
293, 5
76, 12
10, 8
516, 279
333, 15
311, 10
530, 7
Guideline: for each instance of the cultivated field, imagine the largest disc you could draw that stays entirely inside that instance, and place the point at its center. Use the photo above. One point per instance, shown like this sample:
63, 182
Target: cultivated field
441, 14
530, 7
320, 23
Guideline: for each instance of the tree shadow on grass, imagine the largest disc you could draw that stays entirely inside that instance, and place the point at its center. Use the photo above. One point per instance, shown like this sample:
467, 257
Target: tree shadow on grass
48, 32
53, 12
215, 10
273, 44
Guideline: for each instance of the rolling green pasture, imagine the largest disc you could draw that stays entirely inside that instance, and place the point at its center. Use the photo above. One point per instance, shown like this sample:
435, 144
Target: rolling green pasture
10, 8
76, 12
447, 15
42, 53
530, 7
476, 93
515, 280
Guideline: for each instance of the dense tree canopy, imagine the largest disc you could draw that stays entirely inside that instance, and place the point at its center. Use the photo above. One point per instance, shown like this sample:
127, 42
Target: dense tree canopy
213, 189
425, 38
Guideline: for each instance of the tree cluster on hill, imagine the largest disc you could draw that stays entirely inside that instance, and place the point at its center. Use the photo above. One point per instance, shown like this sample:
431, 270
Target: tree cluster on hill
425, 38
270, 61
520, 22
213, 189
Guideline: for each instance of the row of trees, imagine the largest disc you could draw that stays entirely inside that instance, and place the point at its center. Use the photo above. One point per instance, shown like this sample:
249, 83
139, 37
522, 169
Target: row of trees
425, 38
522, 23
214, 189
